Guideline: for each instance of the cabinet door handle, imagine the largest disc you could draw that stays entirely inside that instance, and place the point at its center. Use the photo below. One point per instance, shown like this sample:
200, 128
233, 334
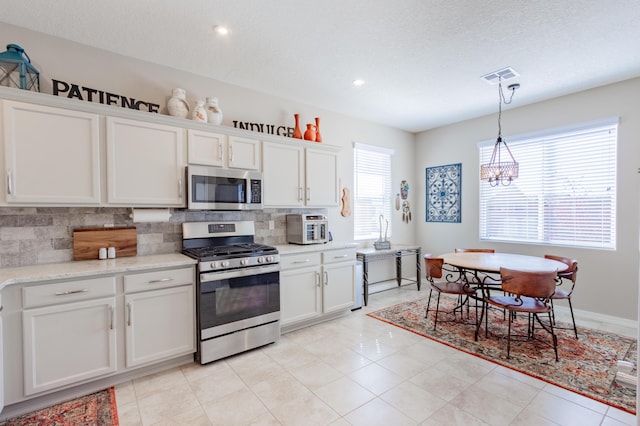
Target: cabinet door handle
317, 279
308, 193
220, 152
111, 314
342, 256
230, 153
129, 314
161, 280
301, 261
9, 183
326, 278
180, 188
299, 193
65, 293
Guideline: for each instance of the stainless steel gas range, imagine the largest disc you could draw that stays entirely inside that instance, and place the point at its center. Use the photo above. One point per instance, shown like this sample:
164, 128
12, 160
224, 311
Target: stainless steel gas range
238, 288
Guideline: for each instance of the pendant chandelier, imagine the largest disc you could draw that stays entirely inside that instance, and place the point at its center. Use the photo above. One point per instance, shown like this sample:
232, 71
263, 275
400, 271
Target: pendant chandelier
499, 172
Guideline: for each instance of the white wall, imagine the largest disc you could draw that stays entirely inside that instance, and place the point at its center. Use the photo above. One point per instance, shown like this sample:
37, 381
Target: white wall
75, 63
607, 280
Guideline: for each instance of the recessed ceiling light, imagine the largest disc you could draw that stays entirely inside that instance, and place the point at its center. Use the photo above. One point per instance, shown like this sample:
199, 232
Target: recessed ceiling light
221, 30
358, 82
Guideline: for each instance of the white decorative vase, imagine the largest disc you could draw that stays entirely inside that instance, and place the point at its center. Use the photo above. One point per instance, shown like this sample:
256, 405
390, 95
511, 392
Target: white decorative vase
199, 113
214, 113
177, 104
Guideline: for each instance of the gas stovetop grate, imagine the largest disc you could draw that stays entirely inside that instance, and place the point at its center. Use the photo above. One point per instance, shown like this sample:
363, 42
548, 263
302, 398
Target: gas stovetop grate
223, 252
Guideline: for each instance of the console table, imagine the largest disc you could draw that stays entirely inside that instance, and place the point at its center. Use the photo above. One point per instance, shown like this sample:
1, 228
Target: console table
397, 252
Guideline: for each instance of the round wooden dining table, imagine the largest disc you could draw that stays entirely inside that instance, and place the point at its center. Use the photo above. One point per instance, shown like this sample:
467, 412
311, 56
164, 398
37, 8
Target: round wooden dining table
485, 269
492, 262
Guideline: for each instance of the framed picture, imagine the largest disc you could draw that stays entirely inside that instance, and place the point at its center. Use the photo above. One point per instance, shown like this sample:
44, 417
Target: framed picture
444, 193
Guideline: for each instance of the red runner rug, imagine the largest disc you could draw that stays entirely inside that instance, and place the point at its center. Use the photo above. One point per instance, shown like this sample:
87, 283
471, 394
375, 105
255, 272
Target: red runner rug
95, 409
587, 365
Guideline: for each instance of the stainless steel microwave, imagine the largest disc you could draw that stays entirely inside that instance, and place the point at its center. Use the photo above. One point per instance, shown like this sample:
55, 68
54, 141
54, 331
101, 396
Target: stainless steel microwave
212, 188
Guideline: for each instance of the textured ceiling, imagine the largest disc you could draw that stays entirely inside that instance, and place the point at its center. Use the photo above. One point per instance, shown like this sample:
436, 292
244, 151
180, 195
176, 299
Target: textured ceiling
421, 59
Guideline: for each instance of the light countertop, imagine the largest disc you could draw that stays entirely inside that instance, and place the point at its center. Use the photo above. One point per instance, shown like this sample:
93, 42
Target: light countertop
285, 249
85, 268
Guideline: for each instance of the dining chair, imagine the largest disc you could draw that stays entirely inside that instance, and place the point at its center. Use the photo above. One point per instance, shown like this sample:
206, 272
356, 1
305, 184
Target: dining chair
461, 288
567, 276
528, 292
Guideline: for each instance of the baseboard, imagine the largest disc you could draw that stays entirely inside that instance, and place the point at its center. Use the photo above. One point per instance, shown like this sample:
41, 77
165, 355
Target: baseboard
56, 397
590, 317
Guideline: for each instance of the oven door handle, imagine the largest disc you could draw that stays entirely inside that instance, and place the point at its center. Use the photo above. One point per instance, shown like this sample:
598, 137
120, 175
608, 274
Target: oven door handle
223, 275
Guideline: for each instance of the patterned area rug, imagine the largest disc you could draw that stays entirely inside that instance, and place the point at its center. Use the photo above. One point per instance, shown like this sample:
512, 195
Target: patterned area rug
95, 409
587, 365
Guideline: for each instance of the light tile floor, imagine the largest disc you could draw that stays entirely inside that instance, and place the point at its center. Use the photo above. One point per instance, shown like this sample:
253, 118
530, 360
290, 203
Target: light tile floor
360, 371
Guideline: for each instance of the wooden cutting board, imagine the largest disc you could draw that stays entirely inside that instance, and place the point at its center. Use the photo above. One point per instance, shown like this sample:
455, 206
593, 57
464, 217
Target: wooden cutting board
87, 242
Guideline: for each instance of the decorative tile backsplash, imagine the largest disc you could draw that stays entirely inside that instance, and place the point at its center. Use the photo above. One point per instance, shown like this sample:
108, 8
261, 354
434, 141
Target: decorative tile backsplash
36, 235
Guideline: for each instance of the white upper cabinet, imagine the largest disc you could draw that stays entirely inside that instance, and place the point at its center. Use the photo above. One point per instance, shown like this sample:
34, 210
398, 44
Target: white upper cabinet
283, 170
206, 148
220, 150
51, 155
145, 163
295, 176
322, 178
244, 153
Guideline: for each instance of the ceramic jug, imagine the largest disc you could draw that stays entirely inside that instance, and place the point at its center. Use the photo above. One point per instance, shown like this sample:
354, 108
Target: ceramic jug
310, 133
199, 113
214, 113
177, 104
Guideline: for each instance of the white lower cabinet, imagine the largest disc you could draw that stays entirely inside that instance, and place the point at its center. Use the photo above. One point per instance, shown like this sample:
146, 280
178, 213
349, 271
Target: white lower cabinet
71, 332
71, 337
338, 287
315, 285
300, 288
159, 324
1, 359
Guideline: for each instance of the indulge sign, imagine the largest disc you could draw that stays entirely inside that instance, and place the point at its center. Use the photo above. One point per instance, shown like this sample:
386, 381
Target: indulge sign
74, 91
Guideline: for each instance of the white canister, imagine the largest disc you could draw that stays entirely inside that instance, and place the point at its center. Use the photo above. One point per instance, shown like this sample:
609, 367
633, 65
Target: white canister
102, 253
214, 113
111, 252
199, 113
177, 104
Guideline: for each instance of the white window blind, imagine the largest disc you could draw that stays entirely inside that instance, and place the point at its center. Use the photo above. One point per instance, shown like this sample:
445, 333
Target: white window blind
565, 194
372, 194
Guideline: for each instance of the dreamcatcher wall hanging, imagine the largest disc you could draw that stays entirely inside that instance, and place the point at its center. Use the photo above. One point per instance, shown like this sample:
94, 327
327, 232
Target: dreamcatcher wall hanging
406, 207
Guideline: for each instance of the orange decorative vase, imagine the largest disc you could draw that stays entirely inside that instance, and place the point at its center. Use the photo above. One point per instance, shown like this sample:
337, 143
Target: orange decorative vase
296, 132
310, 133
318, 135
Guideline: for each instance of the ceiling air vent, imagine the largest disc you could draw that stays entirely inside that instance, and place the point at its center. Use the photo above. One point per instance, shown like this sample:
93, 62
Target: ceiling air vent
503, 74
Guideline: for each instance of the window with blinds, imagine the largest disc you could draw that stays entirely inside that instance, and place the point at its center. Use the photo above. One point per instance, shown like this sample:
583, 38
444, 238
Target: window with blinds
565, 194
372, 190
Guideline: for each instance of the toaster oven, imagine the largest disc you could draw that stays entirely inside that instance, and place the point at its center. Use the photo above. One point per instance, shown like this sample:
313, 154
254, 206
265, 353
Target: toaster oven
307, 228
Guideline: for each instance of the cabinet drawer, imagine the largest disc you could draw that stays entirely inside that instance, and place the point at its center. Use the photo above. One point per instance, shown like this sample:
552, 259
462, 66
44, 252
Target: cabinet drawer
299, 260
341, 255
68, 291
158, 279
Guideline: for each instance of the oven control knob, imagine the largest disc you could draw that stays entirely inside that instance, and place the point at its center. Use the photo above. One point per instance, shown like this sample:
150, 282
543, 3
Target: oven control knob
214, 265
244, 262
224, 263
260, 259
269, 258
